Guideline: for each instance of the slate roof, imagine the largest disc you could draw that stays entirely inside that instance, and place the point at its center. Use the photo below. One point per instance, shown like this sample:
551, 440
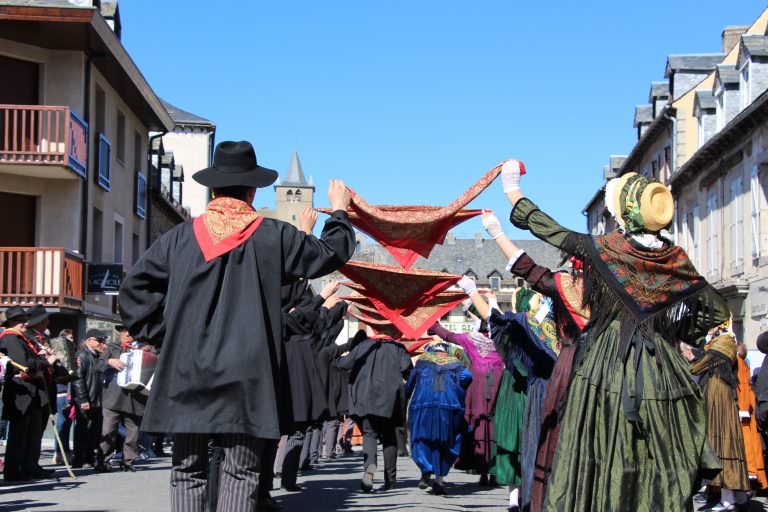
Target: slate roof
45, 3
617, 161
727, 73
659, 89
692, 62
108, 9
643, 114
464, 254
705, 99
756, 45
184, 118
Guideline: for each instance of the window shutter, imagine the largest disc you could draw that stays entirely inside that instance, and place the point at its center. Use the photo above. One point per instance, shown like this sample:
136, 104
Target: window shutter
712, 238
755, 194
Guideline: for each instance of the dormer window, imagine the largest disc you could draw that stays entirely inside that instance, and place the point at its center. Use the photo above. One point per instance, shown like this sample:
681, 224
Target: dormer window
745, 86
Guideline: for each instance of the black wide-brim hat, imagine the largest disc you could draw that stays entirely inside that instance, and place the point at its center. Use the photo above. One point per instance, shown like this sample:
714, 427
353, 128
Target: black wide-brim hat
37, 314
13, 312
234, 164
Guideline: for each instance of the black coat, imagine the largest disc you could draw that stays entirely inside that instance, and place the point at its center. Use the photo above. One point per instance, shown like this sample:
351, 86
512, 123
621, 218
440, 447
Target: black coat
21, 395
335, 379
301, 329
89, 376
376, 373
114, 397
220, 323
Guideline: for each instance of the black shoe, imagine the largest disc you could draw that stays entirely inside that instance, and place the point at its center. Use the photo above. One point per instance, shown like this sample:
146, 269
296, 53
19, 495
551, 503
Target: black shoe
513, 509
366, 484
17, 477
292, 488
424, 482
268, 504
389, 485
306, 467
438, 489
41, 473
483, 480
127, 467
492, 483
102, 467
403, 454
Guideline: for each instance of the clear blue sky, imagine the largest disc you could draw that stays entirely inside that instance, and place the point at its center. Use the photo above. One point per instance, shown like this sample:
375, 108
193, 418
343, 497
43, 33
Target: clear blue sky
409, 102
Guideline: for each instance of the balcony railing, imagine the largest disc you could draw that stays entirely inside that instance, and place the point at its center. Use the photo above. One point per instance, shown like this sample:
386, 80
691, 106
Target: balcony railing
43, 135
40, 275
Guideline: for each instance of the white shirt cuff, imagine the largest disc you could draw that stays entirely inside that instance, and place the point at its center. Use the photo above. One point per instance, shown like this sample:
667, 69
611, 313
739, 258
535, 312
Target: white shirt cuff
514, 258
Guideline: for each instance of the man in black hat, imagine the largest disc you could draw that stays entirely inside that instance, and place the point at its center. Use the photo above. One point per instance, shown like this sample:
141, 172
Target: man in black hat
25, 398
87, 388
119, 404
210, 290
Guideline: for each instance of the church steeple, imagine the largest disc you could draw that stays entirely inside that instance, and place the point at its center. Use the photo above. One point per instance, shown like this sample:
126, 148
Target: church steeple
295, 175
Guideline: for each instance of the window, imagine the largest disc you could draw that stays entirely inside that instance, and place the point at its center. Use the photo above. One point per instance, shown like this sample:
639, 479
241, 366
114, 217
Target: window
135, 248
694, 224
138, 156
97, 236
141, 195
754, 188
745, 86
298, 195
289, 195
101, 110
104, 150
120, 131
736, 218
713, 227
117, 254
495, 283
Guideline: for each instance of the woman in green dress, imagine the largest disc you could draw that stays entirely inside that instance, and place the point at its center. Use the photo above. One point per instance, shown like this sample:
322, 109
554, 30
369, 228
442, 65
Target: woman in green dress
633, 429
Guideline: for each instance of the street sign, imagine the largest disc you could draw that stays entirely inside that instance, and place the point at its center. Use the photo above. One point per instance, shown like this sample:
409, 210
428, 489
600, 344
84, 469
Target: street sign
105, 277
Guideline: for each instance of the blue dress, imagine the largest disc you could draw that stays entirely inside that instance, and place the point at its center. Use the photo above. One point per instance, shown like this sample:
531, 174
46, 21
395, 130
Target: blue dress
531, 348
436, 412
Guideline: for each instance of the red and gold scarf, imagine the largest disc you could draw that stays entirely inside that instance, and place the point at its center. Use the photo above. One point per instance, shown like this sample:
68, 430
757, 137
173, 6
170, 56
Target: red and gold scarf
226, 224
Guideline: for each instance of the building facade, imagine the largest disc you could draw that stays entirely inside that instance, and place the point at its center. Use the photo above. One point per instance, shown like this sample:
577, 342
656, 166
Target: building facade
75, 117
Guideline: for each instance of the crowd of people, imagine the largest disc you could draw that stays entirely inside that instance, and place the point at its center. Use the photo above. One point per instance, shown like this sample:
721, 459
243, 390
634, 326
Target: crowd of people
615, 382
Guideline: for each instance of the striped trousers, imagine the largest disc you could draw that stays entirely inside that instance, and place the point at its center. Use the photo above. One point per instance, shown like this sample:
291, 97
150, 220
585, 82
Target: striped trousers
240, 465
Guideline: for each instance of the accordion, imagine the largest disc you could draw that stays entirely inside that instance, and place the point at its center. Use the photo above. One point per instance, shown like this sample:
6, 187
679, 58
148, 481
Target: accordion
139, 370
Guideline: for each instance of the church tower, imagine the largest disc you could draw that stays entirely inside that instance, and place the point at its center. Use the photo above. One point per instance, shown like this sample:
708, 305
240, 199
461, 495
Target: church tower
294, 193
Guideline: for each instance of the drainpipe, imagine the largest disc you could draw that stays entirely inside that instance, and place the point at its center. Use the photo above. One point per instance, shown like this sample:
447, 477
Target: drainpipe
673, 163
84, 185
211, 137
150, 179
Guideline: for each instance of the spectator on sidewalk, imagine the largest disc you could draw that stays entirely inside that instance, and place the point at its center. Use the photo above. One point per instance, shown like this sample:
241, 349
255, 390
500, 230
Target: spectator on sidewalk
64, 349
87, 390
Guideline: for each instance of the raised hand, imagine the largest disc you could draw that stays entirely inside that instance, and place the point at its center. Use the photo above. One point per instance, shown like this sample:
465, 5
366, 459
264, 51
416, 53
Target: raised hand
467, 284
330, 288
331, 301
492, 225
511, 171
338, 195
307, 219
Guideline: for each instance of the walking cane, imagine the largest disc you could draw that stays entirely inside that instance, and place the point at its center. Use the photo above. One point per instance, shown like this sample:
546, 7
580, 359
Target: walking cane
53, 423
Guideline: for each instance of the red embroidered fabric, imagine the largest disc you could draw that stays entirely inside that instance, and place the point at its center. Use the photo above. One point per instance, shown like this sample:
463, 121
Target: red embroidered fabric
395, 287
408, 232
226, 224
414, 321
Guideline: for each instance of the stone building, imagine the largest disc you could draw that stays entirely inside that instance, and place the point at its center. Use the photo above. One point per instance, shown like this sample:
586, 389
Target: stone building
75, 118
708, 142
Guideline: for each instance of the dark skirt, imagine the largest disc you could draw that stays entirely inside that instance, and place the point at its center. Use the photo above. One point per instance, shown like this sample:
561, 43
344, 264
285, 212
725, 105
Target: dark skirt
436, 434
537, 388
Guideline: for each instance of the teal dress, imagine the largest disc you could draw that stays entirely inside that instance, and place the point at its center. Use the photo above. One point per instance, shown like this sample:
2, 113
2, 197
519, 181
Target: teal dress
633, 429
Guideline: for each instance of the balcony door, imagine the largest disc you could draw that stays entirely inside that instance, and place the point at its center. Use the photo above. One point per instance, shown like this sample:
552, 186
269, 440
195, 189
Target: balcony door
21, 209
20, 86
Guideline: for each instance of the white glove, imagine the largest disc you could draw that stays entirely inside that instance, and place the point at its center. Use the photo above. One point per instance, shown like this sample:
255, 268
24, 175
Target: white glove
467, 284
511, 171
492, 225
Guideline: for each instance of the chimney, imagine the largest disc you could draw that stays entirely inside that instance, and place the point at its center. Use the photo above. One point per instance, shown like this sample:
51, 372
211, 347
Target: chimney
450, 239
478, 240
731, 35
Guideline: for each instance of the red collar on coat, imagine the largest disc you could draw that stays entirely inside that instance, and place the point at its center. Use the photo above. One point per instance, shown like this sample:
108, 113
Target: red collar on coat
226, 224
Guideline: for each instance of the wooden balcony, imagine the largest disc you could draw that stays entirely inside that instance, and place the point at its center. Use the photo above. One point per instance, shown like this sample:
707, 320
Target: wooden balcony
43, 141
40, 275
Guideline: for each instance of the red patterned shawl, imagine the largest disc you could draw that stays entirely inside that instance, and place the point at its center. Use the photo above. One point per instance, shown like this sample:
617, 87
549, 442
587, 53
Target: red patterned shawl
395, 287
227, 223
408, 232
412, 322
